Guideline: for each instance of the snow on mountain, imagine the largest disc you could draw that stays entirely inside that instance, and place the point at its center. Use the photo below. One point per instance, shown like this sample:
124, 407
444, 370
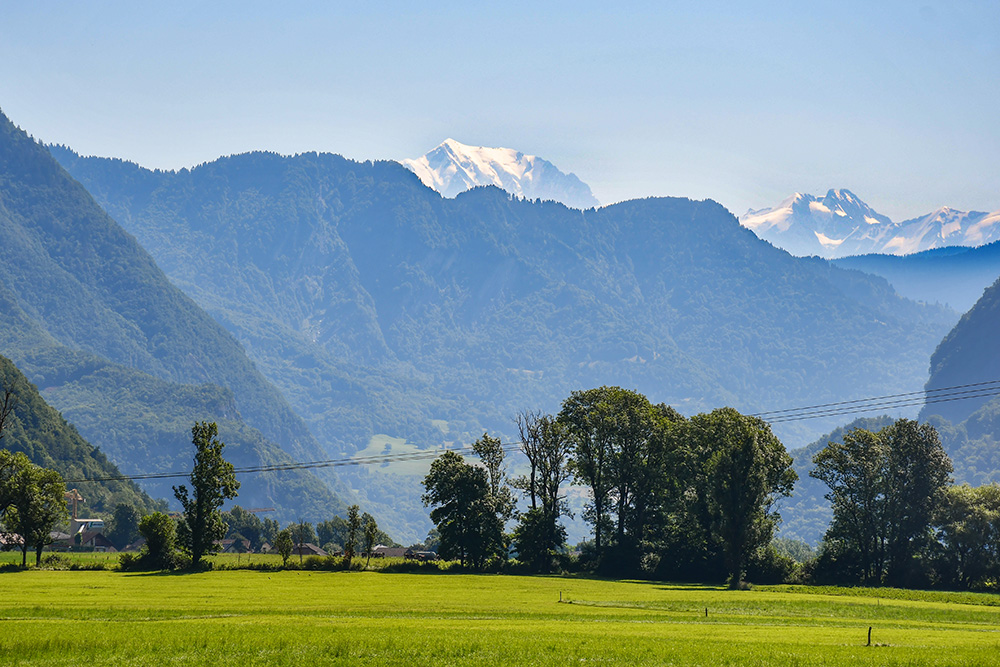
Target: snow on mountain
453, 167
840, 225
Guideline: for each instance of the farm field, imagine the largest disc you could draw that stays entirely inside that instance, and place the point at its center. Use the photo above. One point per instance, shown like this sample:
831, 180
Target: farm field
316, 617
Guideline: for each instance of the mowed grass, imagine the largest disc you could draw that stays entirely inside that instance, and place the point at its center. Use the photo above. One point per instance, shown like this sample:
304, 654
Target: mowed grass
314, 617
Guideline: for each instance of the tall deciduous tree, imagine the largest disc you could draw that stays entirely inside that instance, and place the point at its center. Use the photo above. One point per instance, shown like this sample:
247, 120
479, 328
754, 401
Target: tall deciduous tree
213, 481
371, 535
969, 530
746, 469
918, 472
462, 510
617, 454
547, 445
884, 488
353, 533
855, 472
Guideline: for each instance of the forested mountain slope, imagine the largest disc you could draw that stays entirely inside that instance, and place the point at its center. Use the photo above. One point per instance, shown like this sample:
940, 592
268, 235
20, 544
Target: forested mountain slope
379, 307
41, 433
970, 427
87, 315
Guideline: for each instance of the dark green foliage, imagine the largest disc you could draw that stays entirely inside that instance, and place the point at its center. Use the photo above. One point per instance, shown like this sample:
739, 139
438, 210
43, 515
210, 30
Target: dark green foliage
618, 453
806, 514
354, 286
968, 521
746, 470
283, 544
40, 432
212, 483
246, 524
353, 532
370, 527
463, 511
546, 444
160, 550
885, 489
32, 502
124, 528
90, 318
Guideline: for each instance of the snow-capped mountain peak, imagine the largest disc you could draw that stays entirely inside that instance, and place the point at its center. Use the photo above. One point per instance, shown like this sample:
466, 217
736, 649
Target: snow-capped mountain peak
453, 167
841, 224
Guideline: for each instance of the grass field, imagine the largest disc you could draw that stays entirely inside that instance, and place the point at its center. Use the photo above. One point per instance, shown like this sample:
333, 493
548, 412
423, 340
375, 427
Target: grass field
303, 617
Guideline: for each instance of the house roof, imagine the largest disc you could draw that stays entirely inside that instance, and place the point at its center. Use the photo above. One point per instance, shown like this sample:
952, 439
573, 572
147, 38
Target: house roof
308, 549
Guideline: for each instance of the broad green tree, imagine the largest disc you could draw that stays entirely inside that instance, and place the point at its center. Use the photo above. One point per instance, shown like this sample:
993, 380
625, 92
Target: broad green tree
160, 531
11, 465
918, 472
618, 454
459, 494
885, 488
746, 469
213, 481
855, 471
37, 507
969, 531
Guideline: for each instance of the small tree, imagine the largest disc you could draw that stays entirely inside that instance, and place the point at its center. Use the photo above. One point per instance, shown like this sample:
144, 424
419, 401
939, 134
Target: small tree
160, 552
212, 483
124, 526
302, 532
283, 544
39, 504
371, 534
353, 532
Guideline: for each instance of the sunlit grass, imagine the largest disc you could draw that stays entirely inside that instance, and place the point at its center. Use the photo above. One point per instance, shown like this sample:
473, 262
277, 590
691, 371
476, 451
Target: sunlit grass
341, 617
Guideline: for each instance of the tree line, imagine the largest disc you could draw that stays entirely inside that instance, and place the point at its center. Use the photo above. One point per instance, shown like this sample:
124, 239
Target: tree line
33, 503
697, 498
668, 496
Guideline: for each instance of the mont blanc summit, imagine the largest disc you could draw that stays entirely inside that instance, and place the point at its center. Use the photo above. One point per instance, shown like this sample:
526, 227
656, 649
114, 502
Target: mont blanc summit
453, 167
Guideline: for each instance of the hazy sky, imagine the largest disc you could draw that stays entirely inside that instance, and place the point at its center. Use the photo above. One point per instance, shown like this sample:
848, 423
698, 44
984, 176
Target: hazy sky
897, 101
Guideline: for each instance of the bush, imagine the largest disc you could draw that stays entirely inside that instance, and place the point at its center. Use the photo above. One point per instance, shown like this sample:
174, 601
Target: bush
56, 562
769, 566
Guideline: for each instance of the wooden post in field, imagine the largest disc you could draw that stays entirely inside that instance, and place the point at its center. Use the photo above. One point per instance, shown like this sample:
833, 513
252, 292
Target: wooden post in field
706, 612
869, 636
560, 596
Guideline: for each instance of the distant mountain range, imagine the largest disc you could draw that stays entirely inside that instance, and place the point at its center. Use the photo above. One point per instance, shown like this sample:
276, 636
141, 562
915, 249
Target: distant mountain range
453, 167
840, 224
955, 276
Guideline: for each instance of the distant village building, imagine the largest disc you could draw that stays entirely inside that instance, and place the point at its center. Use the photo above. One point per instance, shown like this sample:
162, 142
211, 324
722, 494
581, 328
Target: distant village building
307, 549
382, 551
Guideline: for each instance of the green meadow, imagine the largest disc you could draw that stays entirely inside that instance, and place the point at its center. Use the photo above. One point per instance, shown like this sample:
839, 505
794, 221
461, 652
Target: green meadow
302, 617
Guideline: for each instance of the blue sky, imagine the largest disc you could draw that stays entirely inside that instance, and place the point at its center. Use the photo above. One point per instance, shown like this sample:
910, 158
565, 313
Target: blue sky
738, 102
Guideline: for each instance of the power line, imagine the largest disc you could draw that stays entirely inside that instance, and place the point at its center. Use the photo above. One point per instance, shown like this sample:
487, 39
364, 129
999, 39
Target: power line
840, 408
